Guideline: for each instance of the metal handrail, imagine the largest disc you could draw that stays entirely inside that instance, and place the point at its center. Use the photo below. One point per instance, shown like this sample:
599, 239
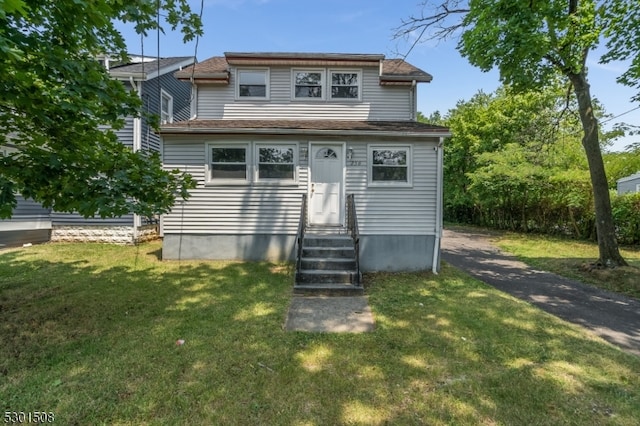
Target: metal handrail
352, 227
302, 227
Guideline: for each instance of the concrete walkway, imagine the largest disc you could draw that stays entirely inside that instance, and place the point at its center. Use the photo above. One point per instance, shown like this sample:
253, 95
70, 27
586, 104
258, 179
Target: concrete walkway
329, 314
613, 317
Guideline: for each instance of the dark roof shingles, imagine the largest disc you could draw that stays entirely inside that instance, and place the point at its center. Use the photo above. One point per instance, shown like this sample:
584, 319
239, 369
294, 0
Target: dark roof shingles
150, 66
328, 125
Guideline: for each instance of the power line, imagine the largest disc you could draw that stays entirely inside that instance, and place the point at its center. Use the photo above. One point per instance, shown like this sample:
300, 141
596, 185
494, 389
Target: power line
620, 115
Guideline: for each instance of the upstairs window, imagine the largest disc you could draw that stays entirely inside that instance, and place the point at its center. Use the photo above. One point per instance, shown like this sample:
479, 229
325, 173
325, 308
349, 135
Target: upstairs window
253, 84
276, 162
308, 84
166, 108
390, 165
345, 85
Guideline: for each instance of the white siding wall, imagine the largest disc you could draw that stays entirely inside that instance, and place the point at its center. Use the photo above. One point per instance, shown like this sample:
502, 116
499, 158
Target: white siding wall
378, 102
275, 210
389, 210
258, 209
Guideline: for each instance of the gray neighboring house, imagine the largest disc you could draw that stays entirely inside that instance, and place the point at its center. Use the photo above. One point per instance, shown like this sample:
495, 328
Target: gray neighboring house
162, 94
629, 184
271, 129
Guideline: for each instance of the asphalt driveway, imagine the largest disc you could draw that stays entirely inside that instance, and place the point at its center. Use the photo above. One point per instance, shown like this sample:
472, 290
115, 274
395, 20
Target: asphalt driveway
613, 317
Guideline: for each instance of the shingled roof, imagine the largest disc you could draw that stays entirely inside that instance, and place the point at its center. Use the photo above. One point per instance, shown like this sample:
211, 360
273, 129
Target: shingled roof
216, 69
318, 127
150, 68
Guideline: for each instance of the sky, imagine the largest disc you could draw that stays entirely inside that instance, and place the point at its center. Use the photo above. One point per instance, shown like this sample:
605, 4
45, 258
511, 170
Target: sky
360, 26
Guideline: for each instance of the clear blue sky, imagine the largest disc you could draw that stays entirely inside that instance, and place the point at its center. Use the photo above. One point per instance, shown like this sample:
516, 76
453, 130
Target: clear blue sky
358, 26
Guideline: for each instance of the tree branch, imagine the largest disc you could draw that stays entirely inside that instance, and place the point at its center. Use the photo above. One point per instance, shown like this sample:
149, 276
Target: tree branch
438, 21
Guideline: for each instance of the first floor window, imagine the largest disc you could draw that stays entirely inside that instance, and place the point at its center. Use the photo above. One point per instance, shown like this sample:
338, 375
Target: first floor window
276, 162
390, 165
236, 163
228, 163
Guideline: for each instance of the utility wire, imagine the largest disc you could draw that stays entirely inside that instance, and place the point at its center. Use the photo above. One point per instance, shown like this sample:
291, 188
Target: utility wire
619, 115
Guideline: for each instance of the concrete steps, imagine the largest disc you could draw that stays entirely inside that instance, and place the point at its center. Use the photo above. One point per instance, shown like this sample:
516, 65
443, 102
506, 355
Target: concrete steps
328, 264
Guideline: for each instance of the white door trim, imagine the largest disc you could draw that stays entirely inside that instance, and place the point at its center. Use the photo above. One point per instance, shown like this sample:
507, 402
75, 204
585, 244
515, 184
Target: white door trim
343, 152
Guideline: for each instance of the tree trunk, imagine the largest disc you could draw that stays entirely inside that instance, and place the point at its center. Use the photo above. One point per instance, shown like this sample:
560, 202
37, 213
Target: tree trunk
607, 243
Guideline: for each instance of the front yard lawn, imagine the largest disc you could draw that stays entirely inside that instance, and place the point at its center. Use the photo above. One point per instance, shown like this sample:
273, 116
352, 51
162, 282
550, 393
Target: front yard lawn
90, 333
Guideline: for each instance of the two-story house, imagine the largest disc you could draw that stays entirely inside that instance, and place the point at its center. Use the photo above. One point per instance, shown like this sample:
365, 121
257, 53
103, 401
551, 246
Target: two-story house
268, 128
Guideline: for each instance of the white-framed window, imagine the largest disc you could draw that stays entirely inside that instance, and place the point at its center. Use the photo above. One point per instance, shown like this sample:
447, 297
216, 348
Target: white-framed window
166, 107
228, 163
308, 84
276, 163
252, 84
345, 85
390, 165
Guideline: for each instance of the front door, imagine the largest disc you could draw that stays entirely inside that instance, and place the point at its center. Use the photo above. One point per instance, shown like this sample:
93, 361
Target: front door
325, 198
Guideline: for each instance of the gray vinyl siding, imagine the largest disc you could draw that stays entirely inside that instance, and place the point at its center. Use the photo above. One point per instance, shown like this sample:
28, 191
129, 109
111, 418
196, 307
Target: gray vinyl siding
245, 210
395, 210
629, 184
27, 215
125, 135
238, 210
181, 93
378, 102
68, 219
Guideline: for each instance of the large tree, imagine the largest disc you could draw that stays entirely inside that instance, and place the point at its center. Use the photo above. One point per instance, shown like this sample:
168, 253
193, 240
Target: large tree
59, 107
531, 42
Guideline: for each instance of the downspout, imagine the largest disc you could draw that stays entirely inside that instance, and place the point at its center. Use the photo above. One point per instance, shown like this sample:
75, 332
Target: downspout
137, 146
194, 100
413, 108
435, 266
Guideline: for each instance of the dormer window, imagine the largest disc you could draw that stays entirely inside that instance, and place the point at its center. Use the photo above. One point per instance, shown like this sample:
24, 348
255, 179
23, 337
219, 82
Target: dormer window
345, 85
308, 84
253, 84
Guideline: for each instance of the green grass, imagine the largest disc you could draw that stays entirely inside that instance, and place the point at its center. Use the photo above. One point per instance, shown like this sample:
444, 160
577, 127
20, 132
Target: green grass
89, 332
572, 259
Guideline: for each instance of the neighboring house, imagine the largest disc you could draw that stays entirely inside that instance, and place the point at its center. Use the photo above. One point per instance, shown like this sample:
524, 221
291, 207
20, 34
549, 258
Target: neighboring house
162, 94
268, 128
629, 184
30, 222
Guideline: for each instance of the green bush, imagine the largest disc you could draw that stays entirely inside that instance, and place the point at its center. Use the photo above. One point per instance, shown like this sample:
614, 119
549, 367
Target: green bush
626, 216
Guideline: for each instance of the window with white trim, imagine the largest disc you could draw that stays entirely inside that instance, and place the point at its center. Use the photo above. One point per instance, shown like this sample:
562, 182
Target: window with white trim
252, 84
276, 163
345, 84
308, 84
228, 163
390, 165
166, 107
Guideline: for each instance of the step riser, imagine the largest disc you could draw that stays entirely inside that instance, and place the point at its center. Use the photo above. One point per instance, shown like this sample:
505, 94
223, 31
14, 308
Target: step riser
336, 253
329, 264
347, 290
337, 277
327, 242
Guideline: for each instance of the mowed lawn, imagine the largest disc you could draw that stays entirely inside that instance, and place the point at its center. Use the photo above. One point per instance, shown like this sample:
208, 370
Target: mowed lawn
88, 332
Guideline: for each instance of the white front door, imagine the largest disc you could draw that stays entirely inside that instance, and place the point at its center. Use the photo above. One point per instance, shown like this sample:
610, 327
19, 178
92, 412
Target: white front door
325, 197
